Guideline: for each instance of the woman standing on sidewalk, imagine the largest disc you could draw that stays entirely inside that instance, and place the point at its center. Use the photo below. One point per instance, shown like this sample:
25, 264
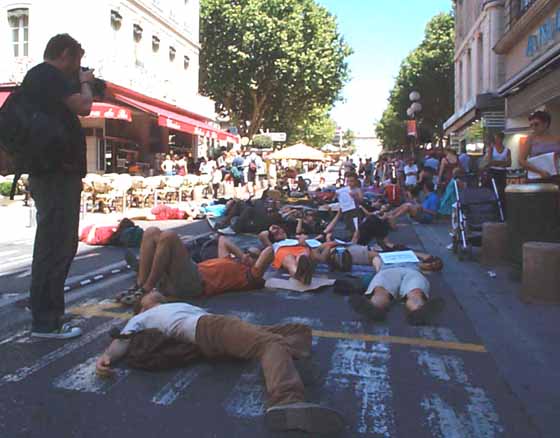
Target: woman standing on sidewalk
540, 142
499, 159
448, 163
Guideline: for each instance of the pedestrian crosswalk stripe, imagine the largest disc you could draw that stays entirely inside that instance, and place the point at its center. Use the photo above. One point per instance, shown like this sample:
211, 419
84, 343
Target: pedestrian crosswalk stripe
479, 418
246, 398
364, 370
83, 378
176, 386
24, 372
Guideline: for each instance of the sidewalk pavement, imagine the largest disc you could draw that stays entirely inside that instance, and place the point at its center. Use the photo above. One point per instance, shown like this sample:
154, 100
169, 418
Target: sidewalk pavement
523, 338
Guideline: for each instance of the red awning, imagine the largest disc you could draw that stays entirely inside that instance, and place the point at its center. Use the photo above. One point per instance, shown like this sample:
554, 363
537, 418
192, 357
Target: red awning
101, 110
178, 122
3, 96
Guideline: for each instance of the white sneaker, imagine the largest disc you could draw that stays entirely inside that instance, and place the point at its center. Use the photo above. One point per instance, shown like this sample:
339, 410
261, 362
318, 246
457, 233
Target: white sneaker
66, 331
308, 417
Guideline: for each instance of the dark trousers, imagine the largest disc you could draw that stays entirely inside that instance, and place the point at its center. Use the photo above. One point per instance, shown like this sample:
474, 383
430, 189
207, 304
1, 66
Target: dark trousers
57, 199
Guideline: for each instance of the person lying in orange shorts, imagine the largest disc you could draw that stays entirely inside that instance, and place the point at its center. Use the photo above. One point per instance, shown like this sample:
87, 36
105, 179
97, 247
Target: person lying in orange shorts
297, 256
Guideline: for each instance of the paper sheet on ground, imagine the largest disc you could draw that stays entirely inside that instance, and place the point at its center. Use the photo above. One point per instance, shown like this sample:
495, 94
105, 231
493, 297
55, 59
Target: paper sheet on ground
390, 258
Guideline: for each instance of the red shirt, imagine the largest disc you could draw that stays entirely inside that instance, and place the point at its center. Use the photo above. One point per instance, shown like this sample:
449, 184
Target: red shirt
227, 275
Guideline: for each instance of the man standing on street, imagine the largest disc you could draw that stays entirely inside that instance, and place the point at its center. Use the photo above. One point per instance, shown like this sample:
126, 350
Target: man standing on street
57, 192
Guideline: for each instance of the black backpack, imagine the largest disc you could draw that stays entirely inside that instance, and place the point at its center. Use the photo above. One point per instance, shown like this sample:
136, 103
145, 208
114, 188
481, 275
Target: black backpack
33, 139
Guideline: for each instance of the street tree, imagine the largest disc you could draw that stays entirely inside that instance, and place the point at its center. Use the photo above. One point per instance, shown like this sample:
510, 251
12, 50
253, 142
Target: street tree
262, 141
349, 141
268, 60
429, 70
316, 130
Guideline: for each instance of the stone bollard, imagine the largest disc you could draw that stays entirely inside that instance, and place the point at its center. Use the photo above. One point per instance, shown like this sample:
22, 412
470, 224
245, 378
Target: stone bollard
541, 272
494, 243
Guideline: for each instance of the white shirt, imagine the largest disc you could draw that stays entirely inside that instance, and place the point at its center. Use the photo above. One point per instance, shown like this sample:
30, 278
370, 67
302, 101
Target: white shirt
411, 180
172, 319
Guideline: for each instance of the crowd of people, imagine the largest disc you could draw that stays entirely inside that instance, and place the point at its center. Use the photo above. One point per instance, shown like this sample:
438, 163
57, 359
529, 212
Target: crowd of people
227, 167
293, 237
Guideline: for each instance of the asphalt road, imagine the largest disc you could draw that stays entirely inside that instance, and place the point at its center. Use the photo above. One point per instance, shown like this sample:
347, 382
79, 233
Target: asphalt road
388, 380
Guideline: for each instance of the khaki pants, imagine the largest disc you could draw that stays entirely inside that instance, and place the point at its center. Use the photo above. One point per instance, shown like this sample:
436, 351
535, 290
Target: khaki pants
228, 337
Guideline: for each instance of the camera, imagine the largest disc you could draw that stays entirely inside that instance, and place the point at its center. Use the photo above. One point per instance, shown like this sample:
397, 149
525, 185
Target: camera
98, 86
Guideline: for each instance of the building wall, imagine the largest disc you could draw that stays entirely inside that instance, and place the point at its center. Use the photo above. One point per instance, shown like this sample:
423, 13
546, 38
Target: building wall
517, 58
480, 70
115, 54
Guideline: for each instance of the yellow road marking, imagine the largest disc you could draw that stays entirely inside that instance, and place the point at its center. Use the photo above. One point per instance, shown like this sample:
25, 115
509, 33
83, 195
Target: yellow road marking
100, 311
417, 342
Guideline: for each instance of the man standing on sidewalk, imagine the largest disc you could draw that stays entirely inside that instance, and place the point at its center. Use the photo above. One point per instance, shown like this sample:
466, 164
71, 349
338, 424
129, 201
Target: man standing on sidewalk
57, 192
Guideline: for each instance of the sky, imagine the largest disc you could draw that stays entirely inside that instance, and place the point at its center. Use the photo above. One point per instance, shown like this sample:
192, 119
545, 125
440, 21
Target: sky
381, 33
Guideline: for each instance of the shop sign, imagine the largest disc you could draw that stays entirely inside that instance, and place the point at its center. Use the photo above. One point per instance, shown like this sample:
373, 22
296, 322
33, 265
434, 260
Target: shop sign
547, 33
104, 111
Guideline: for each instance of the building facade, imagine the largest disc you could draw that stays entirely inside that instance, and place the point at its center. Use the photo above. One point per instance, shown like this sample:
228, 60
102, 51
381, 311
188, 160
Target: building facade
530, 45
147, 50
479, 70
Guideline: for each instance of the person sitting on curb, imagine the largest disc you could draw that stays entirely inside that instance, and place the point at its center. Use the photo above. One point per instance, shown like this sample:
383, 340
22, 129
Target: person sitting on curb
399, 281
166, 264
219, 336
424, 213
297, 256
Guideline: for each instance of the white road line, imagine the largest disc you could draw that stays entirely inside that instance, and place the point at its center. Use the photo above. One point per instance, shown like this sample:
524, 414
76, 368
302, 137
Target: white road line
82, 378
246, 399
364, 369
478, 416
15, 337
26, 371
177, 386
87, 256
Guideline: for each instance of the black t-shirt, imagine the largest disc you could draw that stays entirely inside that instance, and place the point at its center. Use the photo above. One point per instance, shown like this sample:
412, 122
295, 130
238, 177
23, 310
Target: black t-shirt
47, 86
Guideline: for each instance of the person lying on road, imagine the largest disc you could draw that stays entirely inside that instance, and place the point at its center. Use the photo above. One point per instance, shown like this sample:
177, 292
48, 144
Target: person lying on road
402, 281
297, 256
166, 264
218, 336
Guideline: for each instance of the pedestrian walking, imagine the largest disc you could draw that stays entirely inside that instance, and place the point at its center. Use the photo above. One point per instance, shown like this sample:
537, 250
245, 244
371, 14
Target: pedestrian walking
57, 192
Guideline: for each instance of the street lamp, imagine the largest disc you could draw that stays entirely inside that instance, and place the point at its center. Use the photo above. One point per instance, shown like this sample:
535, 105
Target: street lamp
414, 109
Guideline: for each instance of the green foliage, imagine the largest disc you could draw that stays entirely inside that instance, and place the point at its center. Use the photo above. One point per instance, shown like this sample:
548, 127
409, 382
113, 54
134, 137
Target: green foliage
271, 62
316, 130
475, 133
5, 188
262, 142
429, 70
348, 141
